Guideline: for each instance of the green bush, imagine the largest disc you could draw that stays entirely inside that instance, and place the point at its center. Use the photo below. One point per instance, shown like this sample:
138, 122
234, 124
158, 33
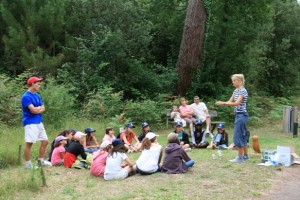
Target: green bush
103, 104
59, 104
148, 110
11, 90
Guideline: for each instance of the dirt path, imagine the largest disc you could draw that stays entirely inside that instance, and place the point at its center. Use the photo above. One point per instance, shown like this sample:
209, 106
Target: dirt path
286, 185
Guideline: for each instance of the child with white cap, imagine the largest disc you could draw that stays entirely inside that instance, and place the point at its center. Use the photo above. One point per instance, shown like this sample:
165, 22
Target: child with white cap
75, 149
99, 159
148, 162
59, 151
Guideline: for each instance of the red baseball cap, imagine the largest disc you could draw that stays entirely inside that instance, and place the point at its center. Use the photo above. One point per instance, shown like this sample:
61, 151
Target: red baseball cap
33, 79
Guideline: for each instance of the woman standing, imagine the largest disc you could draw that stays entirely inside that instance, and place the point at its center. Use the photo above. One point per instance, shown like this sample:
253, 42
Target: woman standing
239, 101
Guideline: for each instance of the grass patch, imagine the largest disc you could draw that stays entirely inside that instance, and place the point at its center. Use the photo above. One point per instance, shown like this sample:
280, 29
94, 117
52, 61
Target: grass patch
218, 179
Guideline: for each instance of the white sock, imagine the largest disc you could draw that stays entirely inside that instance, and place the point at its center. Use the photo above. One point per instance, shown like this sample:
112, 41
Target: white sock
28, 162
41, 159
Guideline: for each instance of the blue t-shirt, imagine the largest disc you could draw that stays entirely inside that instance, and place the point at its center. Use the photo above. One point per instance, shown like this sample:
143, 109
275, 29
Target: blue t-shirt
28, 117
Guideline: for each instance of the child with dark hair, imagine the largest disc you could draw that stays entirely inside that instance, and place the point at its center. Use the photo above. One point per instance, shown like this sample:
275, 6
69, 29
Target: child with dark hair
99, 159
114, 168
221, 139
182, 136
59, 150
145, 129
176, 159
66, 133
199, 136
91, 144
128, 136
75, 149
109, 135
148, 162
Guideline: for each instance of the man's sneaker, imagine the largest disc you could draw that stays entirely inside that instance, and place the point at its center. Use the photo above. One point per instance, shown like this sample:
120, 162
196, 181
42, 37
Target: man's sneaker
246, 157
46, 163
30, 166
237, 160
188, 149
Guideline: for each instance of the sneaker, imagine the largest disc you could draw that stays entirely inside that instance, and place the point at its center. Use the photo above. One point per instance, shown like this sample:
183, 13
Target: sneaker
246, 157
188, 149
30, 166
237, 160
221, 147
46, 163
211, 135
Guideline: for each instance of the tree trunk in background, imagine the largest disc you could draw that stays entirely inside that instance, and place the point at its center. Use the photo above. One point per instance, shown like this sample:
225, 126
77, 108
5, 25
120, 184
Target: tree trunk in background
191, 48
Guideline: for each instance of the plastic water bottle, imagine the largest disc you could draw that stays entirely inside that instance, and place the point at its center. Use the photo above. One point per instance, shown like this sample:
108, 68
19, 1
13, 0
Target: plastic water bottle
213, 156
219, 152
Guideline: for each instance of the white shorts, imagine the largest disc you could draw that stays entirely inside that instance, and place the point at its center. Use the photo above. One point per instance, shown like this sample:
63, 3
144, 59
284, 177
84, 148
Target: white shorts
35, 132
120, 175
202, 118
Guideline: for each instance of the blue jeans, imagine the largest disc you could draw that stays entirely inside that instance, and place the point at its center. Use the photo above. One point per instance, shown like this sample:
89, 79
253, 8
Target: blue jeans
91, 150
240, 136
147, 173
189, 163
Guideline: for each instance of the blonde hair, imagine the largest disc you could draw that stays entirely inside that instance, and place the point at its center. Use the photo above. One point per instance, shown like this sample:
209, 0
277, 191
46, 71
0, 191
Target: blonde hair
240, 77
181, 100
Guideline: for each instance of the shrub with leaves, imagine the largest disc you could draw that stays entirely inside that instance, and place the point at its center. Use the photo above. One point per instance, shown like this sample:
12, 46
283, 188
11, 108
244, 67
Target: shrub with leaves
147, 110
58, 102
103, 104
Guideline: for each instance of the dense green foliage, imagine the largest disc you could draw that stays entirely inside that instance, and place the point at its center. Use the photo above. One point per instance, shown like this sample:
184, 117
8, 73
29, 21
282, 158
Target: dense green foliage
103, 59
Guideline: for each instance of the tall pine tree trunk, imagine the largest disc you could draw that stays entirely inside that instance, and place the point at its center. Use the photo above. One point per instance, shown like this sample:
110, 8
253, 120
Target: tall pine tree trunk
191, 48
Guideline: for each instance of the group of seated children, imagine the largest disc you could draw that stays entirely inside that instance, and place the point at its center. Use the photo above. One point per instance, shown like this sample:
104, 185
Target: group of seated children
111, 162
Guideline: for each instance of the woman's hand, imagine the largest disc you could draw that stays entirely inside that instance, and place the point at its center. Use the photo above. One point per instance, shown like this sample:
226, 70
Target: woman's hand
220, 103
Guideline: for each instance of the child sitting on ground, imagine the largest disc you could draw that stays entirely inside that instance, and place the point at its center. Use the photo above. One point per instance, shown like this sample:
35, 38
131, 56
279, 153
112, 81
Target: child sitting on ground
114, 168
182, 136
59, 151
109, 135
148, 162
221, 139
175, 114
199, 136
75, 149
91, 144
99, 159
176, 159
66, 133
145, 129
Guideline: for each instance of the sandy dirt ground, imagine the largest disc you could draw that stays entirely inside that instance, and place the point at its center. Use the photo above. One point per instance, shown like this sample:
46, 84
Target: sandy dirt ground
286, 184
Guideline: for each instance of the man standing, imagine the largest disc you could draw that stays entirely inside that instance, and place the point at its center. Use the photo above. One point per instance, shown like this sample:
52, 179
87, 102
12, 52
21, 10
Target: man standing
32, 108
201, 112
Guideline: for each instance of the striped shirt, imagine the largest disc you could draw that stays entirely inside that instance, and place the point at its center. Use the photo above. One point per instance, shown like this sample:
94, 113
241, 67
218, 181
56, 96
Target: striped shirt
242, 108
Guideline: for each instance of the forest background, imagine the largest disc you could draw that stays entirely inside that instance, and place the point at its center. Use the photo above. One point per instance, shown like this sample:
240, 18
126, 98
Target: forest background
115, 61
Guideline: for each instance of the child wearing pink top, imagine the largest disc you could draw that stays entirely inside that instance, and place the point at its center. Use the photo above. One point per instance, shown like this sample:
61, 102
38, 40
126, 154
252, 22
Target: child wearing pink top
109, 135
99, 159
59, 151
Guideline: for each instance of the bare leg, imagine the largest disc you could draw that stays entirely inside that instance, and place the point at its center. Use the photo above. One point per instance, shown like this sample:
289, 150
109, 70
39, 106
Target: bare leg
208, 127
240, 151
43, 147
191, 128
245, 149
185, 146
27, 151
